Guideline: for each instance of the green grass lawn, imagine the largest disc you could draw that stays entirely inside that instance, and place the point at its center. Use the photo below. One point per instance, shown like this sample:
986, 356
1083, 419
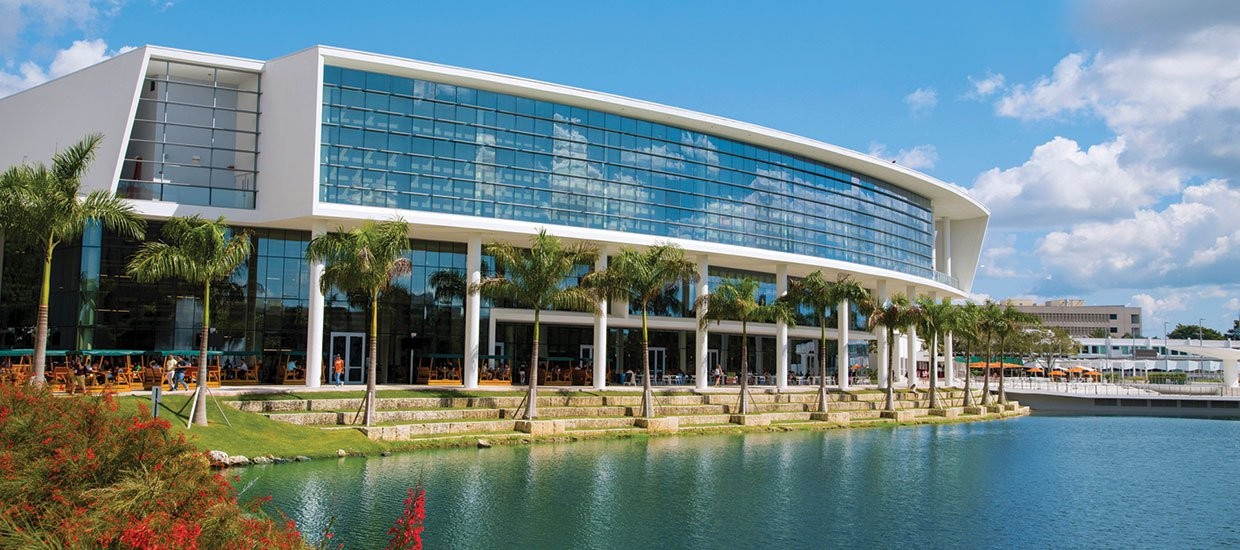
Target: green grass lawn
254, 434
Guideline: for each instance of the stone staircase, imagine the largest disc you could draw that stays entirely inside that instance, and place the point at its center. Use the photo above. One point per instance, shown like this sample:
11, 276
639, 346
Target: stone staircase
414, 418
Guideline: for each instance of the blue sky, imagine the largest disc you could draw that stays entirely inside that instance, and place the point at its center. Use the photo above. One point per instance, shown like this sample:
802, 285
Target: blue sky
1103, 134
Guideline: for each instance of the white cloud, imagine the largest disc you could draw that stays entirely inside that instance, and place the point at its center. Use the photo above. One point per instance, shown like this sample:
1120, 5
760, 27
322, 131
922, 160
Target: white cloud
998, 257
986, 85
1062, 184
49, 18
79, 55
1156, 310
1177, 103
922, 100
921, 157
1192, 242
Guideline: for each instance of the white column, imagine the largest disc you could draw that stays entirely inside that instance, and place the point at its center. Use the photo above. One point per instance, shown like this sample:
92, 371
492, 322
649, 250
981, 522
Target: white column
914, 344
949, 361
781, 331
600, 331
1231, 377
841, 352
702, 342
491, 340
314, 325
947, 247
881, 292
473, 309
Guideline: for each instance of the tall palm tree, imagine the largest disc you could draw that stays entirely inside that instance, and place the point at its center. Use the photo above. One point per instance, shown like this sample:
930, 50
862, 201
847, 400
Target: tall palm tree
200, 252
990, 319
737, 300
644, 278
897, 313
44, 207
822, 295
534, 278
1010, 323
967, 331
364, 260
934, 322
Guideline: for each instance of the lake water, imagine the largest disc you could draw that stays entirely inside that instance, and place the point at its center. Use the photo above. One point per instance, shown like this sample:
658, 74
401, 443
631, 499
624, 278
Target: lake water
1031, 482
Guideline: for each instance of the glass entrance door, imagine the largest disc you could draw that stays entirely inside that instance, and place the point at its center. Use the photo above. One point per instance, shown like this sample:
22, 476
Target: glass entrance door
351, 346
658, 362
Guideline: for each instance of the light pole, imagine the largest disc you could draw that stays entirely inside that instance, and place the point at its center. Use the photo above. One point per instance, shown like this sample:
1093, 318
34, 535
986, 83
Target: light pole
1166, 351
1200, 322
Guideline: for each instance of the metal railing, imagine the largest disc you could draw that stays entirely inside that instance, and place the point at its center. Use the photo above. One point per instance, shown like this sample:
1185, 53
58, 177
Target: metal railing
1135, 389
181, 193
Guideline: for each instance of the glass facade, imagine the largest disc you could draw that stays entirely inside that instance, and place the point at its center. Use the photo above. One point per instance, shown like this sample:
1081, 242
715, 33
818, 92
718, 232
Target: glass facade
194, 138
413, 144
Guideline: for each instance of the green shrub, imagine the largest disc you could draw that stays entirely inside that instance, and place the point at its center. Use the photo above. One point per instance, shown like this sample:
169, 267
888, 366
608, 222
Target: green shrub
76, 473
1168, 378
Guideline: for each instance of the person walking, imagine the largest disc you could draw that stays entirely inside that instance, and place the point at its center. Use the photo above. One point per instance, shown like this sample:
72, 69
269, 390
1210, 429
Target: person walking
338, 370
179, 379
170, 371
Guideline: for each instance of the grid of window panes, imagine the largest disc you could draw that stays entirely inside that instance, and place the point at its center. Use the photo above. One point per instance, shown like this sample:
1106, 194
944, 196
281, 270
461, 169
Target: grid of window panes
194, 137
413, 144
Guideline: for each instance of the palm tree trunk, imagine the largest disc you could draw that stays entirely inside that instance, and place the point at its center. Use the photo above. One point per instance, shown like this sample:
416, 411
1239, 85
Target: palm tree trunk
531, 405
986, 374
200, 392
647, 393
744, 407
40, 325
934, 370
822, 366
1002, 394
373, 363
968, 377
891, 350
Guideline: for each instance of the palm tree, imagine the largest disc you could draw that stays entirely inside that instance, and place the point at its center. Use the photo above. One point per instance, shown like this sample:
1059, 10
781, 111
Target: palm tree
1010, 322
822, 295
897, 313
200, 252
44, 207
644, 278
534, 278
737, 300
934, 322
989, 320
448, 285
364, 260
967, 330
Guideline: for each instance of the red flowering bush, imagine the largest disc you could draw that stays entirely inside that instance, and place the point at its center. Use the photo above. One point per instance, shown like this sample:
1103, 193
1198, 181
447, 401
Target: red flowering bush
77, 473
406, 533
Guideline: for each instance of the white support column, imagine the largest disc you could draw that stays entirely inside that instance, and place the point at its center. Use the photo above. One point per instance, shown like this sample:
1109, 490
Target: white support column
914, 344
947, 246
314, 325
491, 341
949, 361
701, 340
781, 331
600, 331
841, 352
473, 309
1231, 375
881, 292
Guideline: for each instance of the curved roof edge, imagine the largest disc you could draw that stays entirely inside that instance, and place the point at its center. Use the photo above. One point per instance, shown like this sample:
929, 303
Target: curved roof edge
949, 200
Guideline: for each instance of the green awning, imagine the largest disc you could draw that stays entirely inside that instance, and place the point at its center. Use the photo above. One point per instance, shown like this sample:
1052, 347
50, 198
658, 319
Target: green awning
113, 352
27, 351
165, 353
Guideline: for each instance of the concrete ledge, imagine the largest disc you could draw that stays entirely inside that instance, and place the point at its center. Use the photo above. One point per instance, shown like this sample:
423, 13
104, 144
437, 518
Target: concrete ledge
975, 410
947, 412
905, 415
1011, 406
832, 417
994, 409
540, 427
662, 424
750, 419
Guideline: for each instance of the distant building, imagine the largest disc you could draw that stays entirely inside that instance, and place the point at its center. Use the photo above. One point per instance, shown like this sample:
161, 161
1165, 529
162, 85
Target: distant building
1080, 320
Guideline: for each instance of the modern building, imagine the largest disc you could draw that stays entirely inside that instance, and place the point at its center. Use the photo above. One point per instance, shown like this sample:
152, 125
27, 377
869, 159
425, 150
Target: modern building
325, 137
1082, 321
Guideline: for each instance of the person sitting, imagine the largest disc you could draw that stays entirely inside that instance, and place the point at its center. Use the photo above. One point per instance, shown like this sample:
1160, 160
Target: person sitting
242, 369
